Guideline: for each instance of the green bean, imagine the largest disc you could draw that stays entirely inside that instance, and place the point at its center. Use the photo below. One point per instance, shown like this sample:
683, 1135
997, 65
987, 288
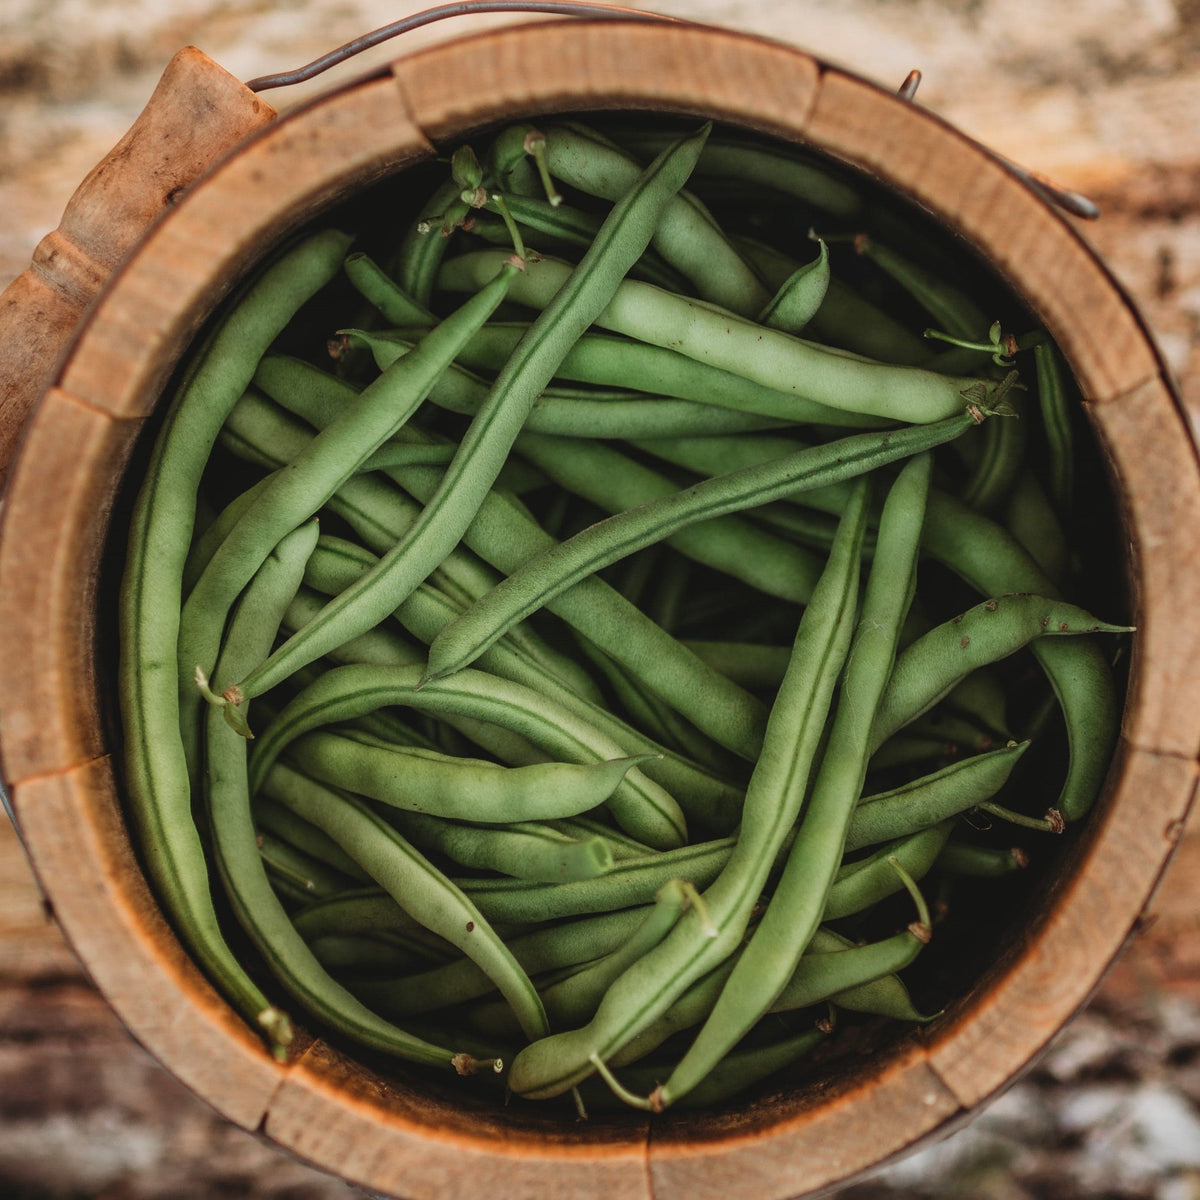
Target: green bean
845, 320
413, 882
345, 692
906, 750
507, 536
379, 514
629, 882
622, 237
524, 849
1056, 421
735, 1074
993, 563
559, 225
303, 877
980, 862
830, 969
379, 289
311, 478
369, 912
544, 950
935, 662
685, 236
794, 912
205, 546
234, 843
345, 955
156, 785
711, 800
730, 544
953, 311
773, 799
607, 361
933, 798
423, 247
457, 788
751, 665
1000, 466
581, 413
861, 884
800, 296
276, 820
1033, 523
573, 1000
607, 541
776, 360
621, 845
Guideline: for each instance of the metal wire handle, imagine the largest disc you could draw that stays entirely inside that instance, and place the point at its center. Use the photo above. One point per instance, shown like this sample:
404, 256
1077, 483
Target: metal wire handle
557, 8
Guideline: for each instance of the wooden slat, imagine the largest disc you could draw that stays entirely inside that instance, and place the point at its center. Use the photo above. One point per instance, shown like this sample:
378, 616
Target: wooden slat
1091, 913
424, 1147
1029, 245
771, 1150
1147, 442
281, 178
72, 825
552, 68
55, 522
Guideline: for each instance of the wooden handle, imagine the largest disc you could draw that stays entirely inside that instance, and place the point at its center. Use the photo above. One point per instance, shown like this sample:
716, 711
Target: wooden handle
198, 112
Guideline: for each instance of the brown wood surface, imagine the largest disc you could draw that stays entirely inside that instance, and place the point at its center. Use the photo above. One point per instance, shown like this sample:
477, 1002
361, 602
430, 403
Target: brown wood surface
327, 1108
197, 112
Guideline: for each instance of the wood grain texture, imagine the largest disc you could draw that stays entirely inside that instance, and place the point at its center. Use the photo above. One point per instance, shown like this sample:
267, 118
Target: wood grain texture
586, 66
196, 114
423, 1145
279, 179
1145, 438
72, 825
1029, 244
55, 522
1084, 920
791, 1145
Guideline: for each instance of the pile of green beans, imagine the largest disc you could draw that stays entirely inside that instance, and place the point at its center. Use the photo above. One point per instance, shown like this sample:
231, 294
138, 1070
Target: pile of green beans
567, 637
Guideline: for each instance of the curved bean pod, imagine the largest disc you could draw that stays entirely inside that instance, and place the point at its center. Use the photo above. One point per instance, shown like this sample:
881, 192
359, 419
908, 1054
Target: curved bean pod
156, 776
742, 347
342, 693
773, 799
624, 234
456, 788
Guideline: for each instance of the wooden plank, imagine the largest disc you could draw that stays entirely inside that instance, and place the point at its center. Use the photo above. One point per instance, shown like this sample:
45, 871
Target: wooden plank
582, 66
425, 1144
1158, 483
86, 866
288, 174
785, 1146
1089, 916
1031, 246
55, 524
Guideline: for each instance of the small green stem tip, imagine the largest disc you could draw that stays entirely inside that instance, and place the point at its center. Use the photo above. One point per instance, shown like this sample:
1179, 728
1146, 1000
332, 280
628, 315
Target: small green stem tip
535, 147
466, 1064
618, 1089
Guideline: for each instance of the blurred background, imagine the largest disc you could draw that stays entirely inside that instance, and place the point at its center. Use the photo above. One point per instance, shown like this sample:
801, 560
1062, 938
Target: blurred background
1101, 95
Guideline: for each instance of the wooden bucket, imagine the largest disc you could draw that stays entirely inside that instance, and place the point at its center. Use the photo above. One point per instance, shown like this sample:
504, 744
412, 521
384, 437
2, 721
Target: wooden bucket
57, 729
